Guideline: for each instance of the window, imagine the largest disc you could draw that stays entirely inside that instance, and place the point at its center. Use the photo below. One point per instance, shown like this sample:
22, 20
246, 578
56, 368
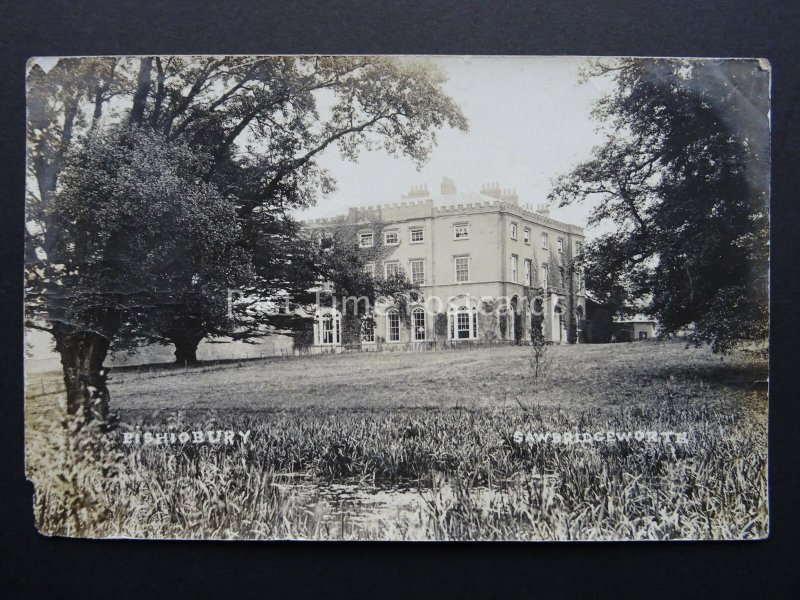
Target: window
526, 235
578, 279
545, 275
463, 323
418, 271
462, 269
461, 231
391, 268
367, 329
327, 329
393, 325
545, 242
578, 247
527, 272
365, 240
514, 261
369, 269
513, 231
561, 277
418, 322
417, 235
561, 245
391, 238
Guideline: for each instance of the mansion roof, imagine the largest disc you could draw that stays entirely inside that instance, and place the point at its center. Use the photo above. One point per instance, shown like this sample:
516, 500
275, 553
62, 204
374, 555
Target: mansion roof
420, 204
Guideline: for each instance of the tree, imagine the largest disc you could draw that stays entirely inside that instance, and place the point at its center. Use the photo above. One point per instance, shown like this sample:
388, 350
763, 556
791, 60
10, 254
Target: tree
138, 235
260, 120
59, 104
683, 178
253, 128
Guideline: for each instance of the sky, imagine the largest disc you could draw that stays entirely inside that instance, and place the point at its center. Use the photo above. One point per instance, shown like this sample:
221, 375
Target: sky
529, 121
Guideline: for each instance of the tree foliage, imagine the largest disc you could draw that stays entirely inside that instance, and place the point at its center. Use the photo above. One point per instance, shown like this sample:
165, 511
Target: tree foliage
683, 180
141, 227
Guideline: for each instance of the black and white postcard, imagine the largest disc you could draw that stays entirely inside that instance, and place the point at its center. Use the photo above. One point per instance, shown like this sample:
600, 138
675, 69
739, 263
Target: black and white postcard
397, 297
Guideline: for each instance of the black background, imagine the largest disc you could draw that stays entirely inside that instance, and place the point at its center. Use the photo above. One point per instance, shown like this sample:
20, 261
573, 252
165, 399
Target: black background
34, 566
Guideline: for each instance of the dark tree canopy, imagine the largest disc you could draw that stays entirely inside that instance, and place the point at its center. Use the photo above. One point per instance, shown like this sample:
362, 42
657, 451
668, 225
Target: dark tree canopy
683, 178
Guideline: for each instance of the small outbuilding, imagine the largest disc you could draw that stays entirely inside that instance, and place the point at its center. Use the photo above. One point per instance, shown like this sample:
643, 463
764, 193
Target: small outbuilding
635, 329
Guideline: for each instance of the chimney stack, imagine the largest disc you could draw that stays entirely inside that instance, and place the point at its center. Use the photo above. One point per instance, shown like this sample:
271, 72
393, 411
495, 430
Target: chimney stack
492, 190
448, 187
417, 191
510, 195
543, 210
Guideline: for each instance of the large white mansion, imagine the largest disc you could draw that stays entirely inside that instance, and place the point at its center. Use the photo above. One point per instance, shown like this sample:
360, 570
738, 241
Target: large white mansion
465, 252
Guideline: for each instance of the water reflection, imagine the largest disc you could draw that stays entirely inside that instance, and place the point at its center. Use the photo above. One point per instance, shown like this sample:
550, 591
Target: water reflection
359, 510
365, 511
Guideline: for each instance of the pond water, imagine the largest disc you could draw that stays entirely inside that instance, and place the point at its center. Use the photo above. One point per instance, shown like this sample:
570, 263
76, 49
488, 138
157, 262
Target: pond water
347, 510
361, 510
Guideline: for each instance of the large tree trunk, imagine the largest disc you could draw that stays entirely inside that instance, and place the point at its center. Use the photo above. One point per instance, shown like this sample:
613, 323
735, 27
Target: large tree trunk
186, 348
142, 91
82, 356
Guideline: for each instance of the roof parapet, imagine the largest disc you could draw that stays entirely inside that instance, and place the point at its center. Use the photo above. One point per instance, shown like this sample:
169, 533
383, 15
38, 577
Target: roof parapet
504, 199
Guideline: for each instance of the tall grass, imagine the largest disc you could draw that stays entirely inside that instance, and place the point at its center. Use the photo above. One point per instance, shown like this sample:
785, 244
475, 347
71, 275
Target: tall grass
474, 480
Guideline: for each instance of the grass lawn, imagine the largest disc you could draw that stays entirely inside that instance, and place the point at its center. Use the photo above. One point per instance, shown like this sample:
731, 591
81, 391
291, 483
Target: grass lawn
583, 377
443, 426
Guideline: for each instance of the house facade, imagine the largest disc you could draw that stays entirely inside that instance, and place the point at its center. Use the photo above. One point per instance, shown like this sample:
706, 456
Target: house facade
479, 261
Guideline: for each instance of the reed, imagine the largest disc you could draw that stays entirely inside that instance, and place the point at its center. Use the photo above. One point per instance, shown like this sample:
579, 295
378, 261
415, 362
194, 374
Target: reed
475, 478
